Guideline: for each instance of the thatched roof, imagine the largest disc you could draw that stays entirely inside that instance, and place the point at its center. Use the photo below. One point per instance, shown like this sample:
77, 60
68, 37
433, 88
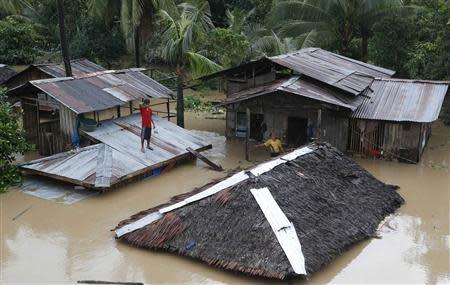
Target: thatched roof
330, 201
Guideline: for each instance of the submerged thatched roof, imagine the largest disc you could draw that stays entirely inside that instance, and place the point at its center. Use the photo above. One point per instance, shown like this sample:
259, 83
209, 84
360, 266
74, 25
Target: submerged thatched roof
330, 201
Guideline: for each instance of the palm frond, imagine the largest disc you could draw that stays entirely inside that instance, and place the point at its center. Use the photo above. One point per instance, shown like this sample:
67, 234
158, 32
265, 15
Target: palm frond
201, 65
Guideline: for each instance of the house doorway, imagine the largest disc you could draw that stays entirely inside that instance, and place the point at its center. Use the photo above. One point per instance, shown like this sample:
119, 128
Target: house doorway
257, 126
297, 131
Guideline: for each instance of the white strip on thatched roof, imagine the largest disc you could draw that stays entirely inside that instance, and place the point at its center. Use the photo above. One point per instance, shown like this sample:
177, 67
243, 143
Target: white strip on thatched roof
225, 184
284, 230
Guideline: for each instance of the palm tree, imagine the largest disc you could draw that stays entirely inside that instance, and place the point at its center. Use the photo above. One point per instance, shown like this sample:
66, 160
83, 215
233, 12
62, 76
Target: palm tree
332, 20
136, 18
184, 27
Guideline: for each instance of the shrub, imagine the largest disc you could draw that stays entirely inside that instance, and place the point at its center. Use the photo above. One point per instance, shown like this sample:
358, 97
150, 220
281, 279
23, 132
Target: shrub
19, 42
93, 40
12, 141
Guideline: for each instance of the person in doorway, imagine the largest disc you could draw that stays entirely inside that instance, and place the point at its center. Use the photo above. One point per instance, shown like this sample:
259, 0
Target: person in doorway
147, 123
274, 144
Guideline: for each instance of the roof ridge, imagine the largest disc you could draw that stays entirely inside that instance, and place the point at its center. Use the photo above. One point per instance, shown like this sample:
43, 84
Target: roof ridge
413, 80
88, 75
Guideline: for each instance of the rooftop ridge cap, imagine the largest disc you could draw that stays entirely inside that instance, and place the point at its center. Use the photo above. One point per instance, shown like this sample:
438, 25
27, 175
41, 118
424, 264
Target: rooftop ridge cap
443, 82
88, 75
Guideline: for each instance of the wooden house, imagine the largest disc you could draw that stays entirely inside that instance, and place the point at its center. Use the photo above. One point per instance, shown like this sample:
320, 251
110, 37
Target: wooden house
313, 94
54, 109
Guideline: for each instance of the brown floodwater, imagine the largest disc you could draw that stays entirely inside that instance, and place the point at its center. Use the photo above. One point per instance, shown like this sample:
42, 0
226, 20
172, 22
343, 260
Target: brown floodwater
57, 243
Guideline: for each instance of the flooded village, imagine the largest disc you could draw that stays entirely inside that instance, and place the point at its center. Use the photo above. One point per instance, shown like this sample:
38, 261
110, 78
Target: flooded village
304, 165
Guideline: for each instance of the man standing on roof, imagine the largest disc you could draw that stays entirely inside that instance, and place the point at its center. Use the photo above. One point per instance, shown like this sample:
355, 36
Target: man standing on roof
274, 144
147, 123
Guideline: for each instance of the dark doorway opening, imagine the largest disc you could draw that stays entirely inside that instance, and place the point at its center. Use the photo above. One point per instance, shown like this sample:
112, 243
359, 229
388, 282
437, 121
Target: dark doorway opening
297, 131
257, 126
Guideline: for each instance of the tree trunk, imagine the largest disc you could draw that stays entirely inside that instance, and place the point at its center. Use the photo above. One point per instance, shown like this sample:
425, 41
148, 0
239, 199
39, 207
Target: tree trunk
364, 48
180, 101
63, 39
137, 47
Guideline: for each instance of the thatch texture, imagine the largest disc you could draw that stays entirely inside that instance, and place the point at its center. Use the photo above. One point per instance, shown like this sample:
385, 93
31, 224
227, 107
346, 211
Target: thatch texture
331, 201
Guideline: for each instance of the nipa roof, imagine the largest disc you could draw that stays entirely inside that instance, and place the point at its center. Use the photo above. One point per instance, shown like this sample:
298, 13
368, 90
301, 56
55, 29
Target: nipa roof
403, 100
102, 90
5, 73
118, 156
299, 87
286, 217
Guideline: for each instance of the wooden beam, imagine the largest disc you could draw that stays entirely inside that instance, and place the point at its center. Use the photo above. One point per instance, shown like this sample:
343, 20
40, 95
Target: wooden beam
247, 134
214, 166
168, 109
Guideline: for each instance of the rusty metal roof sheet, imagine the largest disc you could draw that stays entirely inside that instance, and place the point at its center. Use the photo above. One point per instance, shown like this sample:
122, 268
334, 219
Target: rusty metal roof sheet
118, 156
338, 71
341, 72
300, 87
102, 90
402, 100
6, 73
79, 67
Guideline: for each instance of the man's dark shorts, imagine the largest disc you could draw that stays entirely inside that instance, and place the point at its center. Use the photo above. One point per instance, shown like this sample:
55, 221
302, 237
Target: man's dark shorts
146, 133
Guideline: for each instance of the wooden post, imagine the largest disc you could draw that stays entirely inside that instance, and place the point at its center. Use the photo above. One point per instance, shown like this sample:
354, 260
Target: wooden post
131, 107
63, 38
168, 109
137, 42
38, 127
118, 111
253, 74
247, 135
319, 124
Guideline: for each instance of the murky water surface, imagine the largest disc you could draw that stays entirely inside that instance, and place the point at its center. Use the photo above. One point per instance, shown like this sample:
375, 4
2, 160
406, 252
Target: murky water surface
48, 242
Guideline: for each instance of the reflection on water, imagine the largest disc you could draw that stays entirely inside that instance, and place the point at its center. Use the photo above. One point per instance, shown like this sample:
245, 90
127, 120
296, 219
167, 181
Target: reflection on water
53, 242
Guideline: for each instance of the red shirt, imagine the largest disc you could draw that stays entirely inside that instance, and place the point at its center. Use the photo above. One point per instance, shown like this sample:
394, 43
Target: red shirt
146, 114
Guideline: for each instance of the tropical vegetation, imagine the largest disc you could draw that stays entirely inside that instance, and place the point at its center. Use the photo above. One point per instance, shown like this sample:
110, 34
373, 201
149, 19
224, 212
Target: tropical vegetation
12, 142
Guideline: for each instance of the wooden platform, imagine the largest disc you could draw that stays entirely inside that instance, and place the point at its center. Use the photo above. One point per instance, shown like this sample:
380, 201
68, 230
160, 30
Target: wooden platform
117, 157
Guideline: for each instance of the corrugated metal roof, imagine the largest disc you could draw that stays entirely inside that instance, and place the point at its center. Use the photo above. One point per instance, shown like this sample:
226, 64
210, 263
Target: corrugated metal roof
402, 100
6, 73
301, 87
102, 90
344, 73
118, 156
79, 67
341, 72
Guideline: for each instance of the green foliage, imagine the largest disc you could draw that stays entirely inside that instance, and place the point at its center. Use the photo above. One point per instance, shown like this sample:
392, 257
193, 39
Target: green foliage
323, 22
226, 47
430, 56
184, 28
392, 42
94, 40
194, 103
19, 42
12, 141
